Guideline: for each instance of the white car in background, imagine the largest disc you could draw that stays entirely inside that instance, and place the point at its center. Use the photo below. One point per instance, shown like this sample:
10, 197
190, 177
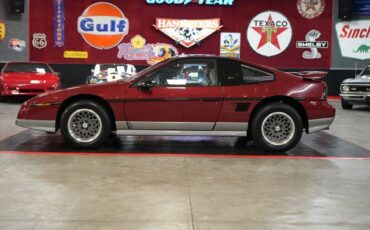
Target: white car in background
356, 91
110, 72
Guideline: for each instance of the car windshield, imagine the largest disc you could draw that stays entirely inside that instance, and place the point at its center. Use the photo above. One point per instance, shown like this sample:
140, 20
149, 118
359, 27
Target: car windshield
145, 71
150, 68
365, 73
40, 68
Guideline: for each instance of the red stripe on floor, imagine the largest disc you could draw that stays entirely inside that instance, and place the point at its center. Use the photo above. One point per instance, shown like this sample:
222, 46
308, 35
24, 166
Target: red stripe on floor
184, 155
336, 98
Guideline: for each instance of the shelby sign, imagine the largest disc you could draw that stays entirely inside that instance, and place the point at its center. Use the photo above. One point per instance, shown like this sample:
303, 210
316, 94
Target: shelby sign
354, 39
186, 2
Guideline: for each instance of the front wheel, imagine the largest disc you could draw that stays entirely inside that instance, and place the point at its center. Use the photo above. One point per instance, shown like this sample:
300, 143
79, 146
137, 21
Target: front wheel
85, 124
277, 127
345, 104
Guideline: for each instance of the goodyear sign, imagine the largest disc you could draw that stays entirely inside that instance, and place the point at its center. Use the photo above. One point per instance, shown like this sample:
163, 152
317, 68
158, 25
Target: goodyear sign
186, 2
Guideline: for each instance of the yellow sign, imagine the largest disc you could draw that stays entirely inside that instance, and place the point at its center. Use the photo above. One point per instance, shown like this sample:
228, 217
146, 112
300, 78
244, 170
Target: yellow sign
2, 30
76, 54
138, 42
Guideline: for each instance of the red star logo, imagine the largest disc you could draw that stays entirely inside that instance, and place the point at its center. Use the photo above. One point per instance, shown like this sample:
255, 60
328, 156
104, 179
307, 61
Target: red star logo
269, 33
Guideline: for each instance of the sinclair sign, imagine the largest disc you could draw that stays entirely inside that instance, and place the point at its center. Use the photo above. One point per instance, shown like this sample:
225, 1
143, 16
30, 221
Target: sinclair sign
187, 2
354, 39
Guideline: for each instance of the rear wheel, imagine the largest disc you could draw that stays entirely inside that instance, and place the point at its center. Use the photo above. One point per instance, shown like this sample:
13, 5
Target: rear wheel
85, 124
277, 127
345, 104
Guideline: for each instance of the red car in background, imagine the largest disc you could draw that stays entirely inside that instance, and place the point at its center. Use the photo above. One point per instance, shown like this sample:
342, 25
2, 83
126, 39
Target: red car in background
27, 78
188, 95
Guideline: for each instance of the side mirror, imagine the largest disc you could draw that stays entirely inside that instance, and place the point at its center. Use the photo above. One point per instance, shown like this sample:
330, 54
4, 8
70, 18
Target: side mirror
145, 86
57, 73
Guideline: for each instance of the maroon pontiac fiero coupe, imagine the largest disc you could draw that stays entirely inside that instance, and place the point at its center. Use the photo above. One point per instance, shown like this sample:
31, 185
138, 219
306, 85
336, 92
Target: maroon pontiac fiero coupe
188, 95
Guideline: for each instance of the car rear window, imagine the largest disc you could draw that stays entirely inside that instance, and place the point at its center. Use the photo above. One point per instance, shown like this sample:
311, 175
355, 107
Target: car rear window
27, 68
233, 73
252, 75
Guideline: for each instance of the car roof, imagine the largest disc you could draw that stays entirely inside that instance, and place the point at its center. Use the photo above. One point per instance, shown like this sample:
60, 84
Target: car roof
186, 56
113, 64
25, 62
247, 62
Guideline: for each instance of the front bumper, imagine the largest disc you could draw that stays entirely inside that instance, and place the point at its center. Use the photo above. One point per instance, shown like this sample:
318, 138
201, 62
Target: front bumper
42, 125
361, 98
25, 91
38, 117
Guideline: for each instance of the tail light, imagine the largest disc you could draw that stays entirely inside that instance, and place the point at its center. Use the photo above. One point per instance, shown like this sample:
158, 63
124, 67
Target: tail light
325, 93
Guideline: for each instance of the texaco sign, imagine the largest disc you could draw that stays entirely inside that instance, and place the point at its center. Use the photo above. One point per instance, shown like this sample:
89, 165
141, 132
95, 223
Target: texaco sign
269, 33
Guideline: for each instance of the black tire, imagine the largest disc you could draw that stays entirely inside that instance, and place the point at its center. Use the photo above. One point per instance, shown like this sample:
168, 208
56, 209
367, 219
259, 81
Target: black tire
345, 104
268, 138
85, 124
2, 98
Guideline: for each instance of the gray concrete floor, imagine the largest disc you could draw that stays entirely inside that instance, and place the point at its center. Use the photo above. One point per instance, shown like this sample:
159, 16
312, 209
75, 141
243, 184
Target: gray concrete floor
8, 114
352, 125
154, 192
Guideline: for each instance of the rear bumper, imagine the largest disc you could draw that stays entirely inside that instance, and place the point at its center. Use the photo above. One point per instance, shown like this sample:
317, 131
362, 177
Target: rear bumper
42, 125
316, 125
320, 115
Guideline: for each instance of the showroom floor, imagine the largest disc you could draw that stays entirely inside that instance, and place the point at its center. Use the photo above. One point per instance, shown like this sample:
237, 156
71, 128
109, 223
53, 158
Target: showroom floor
186, 182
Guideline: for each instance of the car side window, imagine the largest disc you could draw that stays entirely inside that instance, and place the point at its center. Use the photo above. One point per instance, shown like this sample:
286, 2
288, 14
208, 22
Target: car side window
160, 77
200, 72
230, 72
252, 75
234, 73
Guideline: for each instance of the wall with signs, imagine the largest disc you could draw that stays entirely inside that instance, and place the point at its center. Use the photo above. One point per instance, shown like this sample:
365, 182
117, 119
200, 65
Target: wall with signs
351, 42
13, 34
283, 34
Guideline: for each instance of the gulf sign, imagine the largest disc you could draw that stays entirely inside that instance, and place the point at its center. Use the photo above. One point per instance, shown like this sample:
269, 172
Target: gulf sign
103, 25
